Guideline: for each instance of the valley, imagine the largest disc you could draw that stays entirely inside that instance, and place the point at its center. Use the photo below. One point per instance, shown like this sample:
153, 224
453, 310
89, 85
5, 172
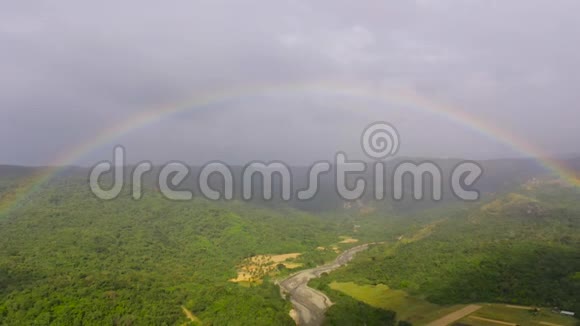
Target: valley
210, 263
309, 304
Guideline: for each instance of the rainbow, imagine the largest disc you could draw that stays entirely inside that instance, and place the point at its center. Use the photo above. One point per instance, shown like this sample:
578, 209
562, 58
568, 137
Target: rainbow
400, 97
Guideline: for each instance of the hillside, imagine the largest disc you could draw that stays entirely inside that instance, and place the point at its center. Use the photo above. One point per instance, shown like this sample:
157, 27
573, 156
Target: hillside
518, 248
68, 258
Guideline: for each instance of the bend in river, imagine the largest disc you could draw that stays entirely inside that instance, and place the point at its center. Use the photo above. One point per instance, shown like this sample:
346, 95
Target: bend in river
309, 303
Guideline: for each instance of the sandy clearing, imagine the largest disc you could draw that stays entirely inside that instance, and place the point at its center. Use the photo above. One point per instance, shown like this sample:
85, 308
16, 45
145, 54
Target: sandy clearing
347, 239
548, 324
455, 316
253, 269
292, 265
294, 315
276, 258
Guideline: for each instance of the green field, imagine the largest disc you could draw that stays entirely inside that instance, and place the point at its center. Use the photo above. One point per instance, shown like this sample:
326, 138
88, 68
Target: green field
509, 314
412, 309
421, 312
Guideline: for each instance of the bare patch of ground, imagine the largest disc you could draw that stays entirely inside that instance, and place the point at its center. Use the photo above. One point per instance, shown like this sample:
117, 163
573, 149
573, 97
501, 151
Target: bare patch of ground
365, 211
346, 239
422, 233
253, 269
294, 316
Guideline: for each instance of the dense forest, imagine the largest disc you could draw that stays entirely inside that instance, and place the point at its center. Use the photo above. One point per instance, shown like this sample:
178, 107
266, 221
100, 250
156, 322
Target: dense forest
70, 259
519, 248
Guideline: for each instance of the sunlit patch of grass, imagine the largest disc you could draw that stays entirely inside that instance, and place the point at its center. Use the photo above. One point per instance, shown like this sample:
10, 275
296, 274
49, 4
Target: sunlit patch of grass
511, 314
413, 309
511, 200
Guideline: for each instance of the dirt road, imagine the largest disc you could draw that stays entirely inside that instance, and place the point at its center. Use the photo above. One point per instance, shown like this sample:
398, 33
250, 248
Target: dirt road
455, 316
308, 303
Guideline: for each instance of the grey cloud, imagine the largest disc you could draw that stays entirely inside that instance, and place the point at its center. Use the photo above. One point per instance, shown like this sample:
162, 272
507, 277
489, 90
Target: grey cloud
72, 69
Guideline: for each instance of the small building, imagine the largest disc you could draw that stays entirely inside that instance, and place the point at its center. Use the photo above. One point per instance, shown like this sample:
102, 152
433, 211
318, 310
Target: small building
567, 313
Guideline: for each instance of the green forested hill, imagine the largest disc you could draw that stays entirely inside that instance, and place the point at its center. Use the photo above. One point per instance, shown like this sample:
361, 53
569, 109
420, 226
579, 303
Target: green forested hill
68, 258
521, 248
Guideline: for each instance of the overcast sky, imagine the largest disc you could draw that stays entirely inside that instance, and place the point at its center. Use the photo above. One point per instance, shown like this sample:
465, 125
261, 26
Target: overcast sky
70, 69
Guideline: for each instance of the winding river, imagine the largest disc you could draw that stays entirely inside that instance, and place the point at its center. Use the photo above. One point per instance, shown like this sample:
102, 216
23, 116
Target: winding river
310, 304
